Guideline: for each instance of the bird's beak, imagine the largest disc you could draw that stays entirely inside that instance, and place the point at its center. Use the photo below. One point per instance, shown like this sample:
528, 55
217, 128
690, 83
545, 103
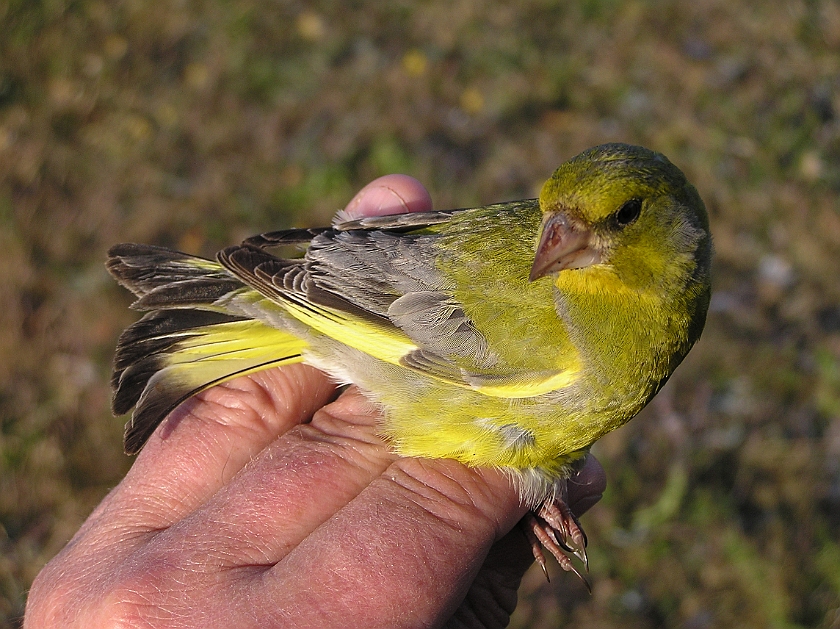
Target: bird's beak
564, 244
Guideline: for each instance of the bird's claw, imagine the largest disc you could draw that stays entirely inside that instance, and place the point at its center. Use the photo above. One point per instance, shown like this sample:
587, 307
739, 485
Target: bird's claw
568, 532
554, 527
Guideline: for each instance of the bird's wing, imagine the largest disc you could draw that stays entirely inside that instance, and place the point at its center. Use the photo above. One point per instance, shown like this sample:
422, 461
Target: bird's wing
375, 285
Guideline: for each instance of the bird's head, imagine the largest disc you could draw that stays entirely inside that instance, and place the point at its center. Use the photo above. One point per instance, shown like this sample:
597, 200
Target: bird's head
624, 212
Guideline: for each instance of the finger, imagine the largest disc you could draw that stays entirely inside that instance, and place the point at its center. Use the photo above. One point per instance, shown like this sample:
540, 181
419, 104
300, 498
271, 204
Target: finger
391, 194
493, 595
206, 441
209, 438
587, 486
403, 553
290, 488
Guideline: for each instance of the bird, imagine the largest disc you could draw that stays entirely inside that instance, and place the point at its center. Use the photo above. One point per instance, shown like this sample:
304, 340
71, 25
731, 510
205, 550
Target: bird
512, 335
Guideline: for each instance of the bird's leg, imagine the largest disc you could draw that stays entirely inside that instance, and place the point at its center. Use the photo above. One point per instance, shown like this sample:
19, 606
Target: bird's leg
554, 527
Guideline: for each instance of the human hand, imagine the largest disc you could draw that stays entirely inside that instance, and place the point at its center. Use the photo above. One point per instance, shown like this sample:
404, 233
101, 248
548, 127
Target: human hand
267, 502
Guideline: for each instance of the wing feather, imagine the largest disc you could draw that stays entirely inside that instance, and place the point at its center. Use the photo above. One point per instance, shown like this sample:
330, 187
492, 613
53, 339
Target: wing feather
374, 284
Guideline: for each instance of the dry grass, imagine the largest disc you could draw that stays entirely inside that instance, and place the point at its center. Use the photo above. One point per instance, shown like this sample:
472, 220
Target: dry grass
195, 124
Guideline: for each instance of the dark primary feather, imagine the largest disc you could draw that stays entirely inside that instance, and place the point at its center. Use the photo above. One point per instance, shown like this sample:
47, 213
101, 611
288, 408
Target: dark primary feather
284, 237
283, 280
243, 261
186, 293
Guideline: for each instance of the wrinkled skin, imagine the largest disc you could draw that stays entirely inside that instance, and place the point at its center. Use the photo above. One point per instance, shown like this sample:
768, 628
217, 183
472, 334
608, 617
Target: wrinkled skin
264, 503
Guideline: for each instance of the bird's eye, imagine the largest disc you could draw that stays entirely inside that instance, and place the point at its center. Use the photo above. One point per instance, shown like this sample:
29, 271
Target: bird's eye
628, 212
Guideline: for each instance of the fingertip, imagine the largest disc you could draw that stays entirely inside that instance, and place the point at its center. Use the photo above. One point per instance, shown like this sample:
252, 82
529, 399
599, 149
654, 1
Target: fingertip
391, 194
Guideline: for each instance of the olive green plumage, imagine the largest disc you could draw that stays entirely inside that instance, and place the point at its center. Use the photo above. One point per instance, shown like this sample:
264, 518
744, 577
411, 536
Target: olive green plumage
512, 335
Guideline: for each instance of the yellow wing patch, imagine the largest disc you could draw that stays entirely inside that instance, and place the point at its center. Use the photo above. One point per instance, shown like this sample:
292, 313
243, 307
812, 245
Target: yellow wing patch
537, 384
384, 342
517, 384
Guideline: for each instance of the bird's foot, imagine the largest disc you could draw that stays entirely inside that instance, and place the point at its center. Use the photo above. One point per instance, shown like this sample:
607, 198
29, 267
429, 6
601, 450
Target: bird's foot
554, 527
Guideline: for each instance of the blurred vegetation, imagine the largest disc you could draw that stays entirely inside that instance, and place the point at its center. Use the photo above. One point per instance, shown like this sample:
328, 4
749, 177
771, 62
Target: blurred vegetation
194, 123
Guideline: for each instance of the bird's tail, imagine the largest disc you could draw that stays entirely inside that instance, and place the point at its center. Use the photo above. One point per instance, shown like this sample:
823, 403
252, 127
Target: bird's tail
188, 341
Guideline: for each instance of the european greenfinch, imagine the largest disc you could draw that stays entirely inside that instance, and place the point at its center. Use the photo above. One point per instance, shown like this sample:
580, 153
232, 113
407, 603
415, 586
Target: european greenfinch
512, 335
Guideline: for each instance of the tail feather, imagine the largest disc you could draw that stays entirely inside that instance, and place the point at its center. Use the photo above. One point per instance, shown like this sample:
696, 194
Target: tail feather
158, 331
144, 349
187, 293
202, 358
187, 343
143, 268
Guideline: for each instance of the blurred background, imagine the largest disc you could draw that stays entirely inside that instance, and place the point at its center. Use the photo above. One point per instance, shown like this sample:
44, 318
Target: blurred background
195, 123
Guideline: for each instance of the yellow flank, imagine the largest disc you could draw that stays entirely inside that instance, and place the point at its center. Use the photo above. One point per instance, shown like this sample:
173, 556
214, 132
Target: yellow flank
480, 430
